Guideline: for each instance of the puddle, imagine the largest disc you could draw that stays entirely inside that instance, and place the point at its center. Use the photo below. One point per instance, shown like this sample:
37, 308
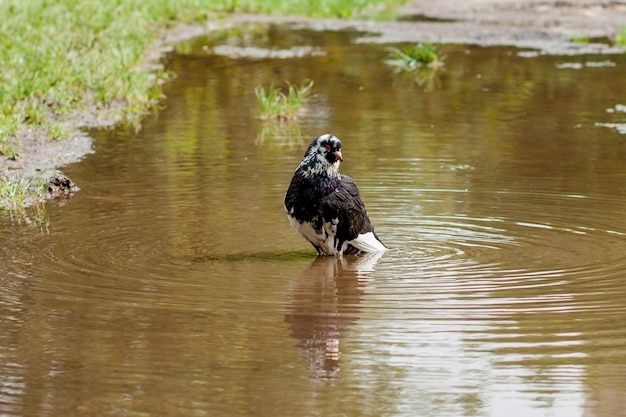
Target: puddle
172, 284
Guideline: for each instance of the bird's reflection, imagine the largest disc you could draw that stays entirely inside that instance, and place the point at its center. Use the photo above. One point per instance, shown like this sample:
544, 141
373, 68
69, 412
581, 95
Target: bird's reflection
323, 302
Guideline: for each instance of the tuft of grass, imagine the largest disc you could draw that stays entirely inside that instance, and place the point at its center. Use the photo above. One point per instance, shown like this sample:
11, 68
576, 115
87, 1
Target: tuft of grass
581, 39
270, 100
422, 63
620, 37
417, 56
21, 192
277, 105
296, 97
8, 150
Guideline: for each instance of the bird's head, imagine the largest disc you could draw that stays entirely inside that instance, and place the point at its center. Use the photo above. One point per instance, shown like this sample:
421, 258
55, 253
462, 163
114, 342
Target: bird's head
324, 155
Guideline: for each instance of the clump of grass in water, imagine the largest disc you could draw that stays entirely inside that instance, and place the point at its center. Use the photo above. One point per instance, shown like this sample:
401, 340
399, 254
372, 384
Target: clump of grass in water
417, 56
423, 63
20, 192
276, 105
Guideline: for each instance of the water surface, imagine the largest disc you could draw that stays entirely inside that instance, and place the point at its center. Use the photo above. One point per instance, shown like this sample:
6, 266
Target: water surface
172, 283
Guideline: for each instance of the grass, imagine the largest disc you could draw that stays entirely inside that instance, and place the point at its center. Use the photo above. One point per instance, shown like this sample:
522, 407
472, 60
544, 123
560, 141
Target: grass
345, 9
416, 56
277, 105
63, 57
620, 37
270, 100
21, 191
422, 62
581, 39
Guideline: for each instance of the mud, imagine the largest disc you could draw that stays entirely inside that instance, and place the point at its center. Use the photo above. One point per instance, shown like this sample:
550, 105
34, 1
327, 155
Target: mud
544, 26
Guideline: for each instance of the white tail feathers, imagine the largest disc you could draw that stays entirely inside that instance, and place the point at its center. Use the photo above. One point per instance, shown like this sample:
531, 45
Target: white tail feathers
367, 242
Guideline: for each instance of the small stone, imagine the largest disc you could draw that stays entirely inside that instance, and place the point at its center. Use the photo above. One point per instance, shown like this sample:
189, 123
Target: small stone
60, 186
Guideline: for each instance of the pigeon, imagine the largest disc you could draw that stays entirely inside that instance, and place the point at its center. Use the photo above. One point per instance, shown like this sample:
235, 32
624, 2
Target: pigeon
325, 207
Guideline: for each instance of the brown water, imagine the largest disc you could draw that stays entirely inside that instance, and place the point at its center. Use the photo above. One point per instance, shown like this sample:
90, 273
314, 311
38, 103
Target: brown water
173, 285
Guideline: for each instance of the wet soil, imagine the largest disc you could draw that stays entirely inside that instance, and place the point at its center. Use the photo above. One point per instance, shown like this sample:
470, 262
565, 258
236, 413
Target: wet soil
547, 26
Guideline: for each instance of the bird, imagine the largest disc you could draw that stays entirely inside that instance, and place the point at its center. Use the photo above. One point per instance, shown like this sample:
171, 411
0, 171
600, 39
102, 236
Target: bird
325, 207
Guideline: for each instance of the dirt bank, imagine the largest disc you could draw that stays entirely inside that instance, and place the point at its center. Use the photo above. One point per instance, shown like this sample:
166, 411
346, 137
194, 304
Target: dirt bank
547, 26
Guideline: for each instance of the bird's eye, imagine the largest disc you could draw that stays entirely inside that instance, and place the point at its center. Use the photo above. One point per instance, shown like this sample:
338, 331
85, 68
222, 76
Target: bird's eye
327, 147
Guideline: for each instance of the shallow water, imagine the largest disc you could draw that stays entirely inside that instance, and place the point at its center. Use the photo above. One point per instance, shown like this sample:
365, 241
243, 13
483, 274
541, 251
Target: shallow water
172, 284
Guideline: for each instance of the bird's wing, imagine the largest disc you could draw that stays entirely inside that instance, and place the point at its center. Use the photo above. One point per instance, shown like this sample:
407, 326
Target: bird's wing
344, 214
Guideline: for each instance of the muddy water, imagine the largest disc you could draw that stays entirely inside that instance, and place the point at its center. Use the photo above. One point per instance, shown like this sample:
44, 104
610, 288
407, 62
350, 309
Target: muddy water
172, 284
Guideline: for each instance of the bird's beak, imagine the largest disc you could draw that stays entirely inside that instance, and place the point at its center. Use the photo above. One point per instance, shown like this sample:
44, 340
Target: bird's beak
338, 155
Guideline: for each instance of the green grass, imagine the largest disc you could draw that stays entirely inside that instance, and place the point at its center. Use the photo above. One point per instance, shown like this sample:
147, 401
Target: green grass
416, 56
21, 191
581, 39
346, 9
61, 57
620, 37
270, 100
277, 105
422, 63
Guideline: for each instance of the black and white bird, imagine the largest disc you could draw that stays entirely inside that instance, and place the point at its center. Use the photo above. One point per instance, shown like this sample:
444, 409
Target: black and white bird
325, 207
